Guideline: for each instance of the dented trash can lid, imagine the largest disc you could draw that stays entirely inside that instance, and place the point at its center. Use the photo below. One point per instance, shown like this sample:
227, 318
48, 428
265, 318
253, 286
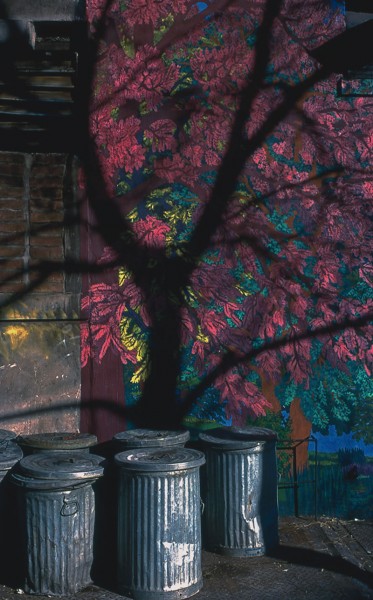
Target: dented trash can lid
236, 438
66, 440
61, 465
7, 434
10, 454
172, 459
150, 438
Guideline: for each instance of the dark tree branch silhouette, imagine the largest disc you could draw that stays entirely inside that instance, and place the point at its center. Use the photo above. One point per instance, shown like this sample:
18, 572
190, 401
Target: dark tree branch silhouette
162, 278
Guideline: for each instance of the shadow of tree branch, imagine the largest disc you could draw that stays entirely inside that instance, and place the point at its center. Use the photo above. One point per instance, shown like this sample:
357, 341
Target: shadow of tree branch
163, 283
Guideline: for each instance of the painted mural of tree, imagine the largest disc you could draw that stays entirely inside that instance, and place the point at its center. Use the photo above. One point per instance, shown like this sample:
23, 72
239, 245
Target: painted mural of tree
243, 182
230, 187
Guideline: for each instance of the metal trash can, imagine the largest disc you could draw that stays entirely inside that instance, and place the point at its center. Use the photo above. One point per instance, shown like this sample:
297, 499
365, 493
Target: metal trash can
7, 434
56, 441
149, 438
239, 491
57, 509
159, 523
10, 455
105, 564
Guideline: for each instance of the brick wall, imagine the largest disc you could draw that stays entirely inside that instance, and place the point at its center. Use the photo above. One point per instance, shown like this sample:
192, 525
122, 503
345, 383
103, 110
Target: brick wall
39, 300
31, 220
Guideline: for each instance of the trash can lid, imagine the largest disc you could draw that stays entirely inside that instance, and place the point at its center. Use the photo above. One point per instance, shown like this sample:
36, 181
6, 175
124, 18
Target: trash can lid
7, 434
61, 465
58, 440
10, 454
142, 438
156, 460
236, 438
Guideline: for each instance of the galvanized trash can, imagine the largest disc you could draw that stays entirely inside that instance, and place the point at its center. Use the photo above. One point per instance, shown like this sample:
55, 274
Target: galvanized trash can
239, 491
57, 441
105, 563
7, 434
10, 455
57, 510
159, 523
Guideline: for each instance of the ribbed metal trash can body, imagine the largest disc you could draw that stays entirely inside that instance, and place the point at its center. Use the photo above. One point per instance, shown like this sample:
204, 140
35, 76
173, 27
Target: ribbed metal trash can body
64, 441
57, 507
10, 455
106, 539
159, 523
240, 491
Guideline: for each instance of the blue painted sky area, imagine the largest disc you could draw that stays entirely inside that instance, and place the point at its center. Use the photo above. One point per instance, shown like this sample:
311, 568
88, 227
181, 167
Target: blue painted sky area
333, 442
338, 5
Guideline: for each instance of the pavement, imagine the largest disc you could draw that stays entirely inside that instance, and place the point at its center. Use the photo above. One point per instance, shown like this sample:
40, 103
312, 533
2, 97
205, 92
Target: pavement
324, 559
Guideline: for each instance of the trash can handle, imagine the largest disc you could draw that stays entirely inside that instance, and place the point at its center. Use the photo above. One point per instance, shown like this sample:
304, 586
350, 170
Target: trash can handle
69, 507
202, 505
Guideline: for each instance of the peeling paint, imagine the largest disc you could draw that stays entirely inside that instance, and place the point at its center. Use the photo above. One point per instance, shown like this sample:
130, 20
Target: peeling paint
178, 557
179, 553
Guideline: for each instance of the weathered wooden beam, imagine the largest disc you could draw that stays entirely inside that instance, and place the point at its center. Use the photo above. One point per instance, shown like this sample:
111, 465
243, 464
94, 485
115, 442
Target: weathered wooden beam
44, 10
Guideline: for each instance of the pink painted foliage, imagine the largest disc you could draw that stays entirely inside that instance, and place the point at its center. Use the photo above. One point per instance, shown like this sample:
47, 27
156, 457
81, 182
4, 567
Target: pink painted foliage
288, 269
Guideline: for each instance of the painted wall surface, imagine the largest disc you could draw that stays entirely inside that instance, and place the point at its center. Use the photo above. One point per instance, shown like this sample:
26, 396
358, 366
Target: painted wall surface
39, 375
236, 172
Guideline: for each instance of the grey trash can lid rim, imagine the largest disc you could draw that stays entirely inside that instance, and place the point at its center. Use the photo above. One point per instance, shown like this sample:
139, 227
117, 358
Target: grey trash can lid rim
138, 438
237, 437
68, 440
10, 454
7, 434
27, 482
157, 460
61, 465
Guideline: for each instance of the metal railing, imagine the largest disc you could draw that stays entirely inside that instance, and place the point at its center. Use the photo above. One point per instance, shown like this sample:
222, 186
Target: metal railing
292, 446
